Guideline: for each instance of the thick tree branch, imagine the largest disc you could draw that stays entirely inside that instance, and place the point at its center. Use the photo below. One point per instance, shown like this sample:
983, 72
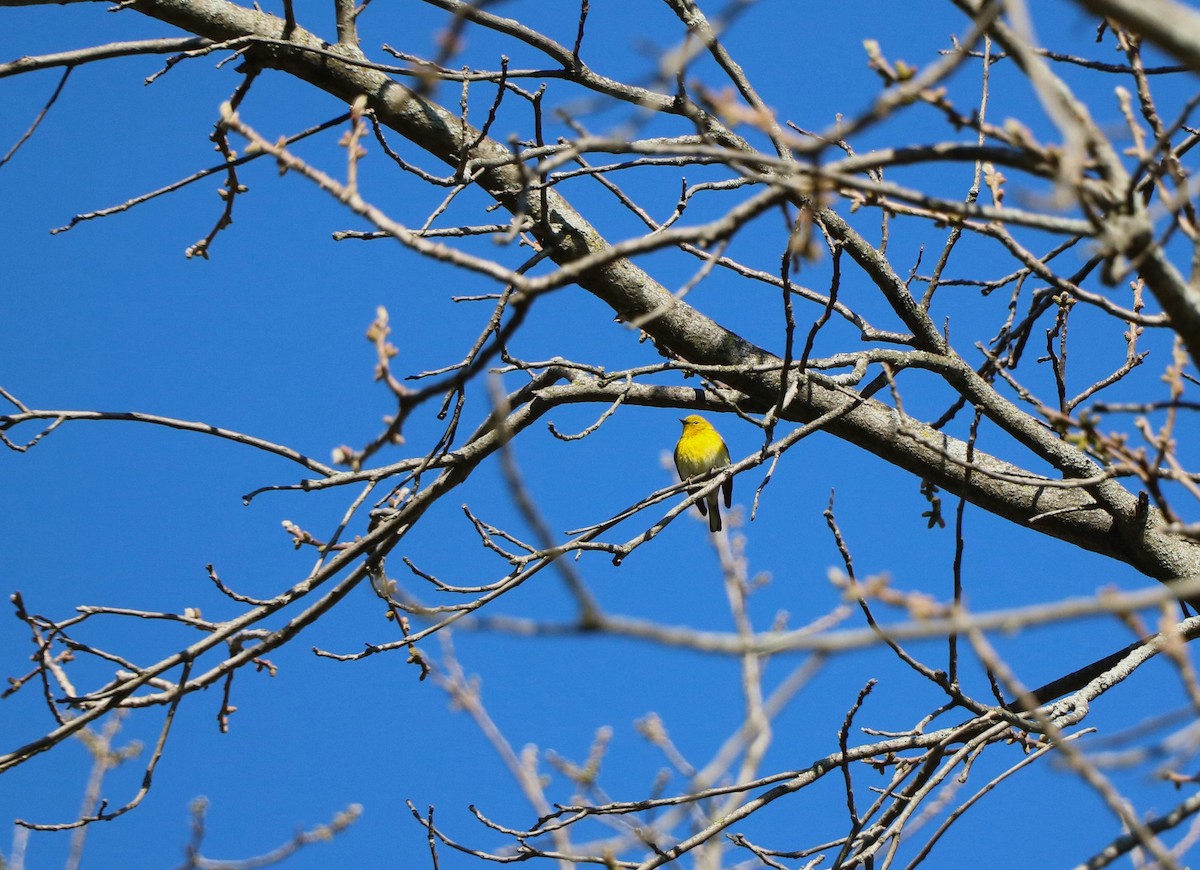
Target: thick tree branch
1114, 526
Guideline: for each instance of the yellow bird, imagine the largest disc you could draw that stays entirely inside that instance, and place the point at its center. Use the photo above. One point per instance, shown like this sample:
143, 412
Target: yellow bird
700, 449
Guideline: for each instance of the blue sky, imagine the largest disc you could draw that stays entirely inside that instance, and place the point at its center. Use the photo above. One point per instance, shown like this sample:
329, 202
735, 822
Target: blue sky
266, 338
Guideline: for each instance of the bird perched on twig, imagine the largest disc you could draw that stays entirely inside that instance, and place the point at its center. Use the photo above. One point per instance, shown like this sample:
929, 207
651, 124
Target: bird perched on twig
700, 450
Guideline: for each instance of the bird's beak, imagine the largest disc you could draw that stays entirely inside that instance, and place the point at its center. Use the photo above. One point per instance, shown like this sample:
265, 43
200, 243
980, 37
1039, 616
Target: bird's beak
681, 420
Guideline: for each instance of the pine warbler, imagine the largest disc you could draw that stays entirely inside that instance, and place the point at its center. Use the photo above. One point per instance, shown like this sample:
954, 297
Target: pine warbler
700, 449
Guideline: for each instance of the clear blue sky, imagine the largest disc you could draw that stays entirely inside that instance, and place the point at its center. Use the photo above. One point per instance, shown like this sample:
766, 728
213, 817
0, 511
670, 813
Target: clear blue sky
266, 338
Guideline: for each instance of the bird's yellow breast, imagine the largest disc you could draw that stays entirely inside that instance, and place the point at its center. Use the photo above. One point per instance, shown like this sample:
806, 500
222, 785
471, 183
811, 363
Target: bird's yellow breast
698, 450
